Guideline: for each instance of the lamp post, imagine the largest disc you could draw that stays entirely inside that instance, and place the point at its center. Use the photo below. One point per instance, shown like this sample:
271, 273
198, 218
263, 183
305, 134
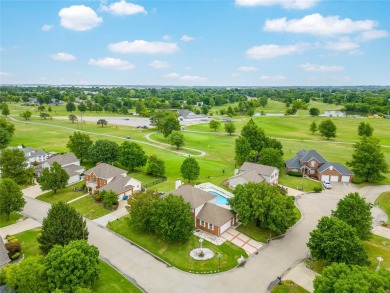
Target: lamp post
82, 221
219, 259
201, 241
379, 259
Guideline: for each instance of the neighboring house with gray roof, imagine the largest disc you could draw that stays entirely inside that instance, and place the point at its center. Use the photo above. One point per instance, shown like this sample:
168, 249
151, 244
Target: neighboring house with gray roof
312, 164
208, 216
185, 114
106, 177
69, 162
251, 172
32, 155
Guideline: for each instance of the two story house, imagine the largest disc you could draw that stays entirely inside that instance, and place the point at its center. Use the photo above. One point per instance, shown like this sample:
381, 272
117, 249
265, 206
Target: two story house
70, 163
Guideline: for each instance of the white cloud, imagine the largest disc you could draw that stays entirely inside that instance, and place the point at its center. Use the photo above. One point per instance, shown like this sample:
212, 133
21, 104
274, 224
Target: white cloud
288, 4
192, 78
123, 8
273, 51
186, 38
166, 37
5, 74
172, 75
341, 45
321, 68
316, 24
159, 64
79, 18
47, 27
372, 35
247, 68
272, 78
144, 47
63, 57
112, 63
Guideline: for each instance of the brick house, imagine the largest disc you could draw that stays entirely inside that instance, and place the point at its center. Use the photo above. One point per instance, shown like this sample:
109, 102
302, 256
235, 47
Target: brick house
106, 177
251, 172
312, 164
208, 216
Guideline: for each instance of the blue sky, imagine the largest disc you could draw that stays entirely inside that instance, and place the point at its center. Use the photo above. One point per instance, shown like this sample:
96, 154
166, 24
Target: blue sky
215, 43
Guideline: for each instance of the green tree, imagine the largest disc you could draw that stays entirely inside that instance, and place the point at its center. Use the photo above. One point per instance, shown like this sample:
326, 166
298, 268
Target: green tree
72, 118
103, 151
28, 276
131, 155
214, 124
230, 127
79, 144
355, 211
365, 129
172, 218
5, 138
230, 111
26, 115
62, 225
255, 135
263, 101
82, 107
11, 198
327, 128
44, 115
73, 266
49, 109
140, 208
242, 149
70, 107
170, 124
13, 165
8, 126
53, 178
5, 109
271, 157
313, 127
176, 138
336, 241
102, 122
41, 108
250, 111
314, 111
265, 204
110, 198
340, 278
156, 166
190, 169
368, 161
123, 110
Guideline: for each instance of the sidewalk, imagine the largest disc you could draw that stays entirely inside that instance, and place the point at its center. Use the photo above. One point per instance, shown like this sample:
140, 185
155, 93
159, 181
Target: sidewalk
292, 191
120, 212
302, 276
18, 227
381, 231
32, 191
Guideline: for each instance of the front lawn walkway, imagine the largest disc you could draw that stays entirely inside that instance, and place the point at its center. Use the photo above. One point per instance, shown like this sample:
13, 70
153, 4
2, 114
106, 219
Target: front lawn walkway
178, 254
65, 194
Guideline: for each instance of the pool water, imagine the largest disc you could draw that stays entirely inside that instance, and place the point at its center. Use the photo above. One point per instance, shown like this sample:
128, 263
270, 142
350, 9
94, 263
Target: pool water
220, 198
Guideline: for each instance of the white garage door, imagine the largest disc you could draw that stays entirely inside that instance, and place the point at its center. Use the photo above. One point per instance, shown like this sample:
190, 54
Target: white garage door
325, 178
334, 178
345, 178
225, 226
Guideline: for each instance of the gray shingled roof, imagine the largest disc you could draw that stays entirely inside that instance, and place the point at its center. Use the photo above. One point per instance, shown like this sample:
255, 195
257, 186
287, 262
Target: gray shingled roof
118, 184
214, 214
250, 176
195, 196
312, 154
4, 259
339, 167
63, 159
260, 169
293, 163
73, 169
304, 156
105, 171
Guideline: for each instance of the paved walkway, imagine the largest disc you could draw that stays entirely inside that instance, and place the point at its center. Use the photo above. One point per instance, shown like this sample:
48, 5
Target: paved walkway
120, 212
381, 231
32, 191
77, 198
19, 227
248, 244
302, 276
292, 191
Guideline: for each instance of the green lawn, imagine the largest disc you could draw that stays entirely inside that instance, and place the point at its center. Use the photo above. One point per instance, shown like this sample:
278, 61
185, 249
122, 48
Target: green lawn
13, 218
65, 194
110, 280
295, 182
177, 254
87, 204
384, 202
378, 246
288, 287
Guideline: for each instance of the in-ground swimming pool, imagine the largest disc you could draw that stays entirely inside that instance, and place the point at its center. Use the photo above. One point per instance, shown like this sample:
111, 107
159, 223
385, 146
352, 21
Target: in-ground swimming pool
222, 200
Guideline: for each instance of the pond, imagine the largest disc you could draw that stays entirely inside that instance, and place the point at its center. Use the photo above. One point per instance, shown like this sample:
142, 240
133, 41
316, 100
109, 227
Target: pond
337, 113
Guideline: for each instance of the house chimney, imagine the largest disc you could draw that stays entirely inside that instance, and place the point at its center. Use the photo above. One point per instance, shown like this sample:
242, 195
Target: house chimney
235, 171
177, 183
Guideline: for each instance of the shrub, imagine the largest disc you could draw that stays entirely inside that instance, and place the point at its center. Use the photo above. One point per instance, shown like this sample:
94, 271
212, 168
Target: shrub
317, 189
13, 247
294, 173
97, 197
357, 180
14, 256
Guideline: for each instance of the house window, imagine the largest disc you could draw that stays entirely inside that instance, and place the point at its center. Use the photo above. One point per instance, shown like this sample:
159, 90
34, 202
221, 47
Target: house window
312, 172
312, 163
202, 223
94, 179
211, 226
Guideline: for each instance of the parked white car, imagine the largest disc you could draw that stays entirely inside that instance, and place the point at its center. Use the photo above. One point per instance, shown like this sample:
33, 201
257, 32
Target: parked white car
327, 184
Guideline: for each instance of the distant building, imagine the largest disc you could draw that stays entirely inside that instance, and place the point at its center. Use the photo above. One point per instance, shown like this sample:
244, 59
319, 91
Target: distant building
32, 155
188, 115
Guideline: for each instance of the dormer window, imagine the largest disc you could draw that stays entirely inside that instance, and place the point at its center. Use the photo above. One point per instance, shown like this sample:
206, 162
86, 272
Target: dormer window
312, 163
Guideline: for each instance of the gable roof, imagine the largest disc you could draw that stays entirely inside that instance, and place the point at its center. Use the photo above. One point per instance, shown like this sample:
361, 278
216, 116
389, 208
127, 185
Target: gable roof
73, 169
260, 169
105, 171
304, 156
214, 214
195, 196
119, 184
337, 166
250, 176
293, 163
63, 159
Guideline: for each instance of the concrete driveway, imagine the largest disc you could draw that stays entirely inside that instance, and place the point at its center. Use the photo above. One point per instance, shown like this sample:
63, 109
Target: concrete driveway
32, 191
